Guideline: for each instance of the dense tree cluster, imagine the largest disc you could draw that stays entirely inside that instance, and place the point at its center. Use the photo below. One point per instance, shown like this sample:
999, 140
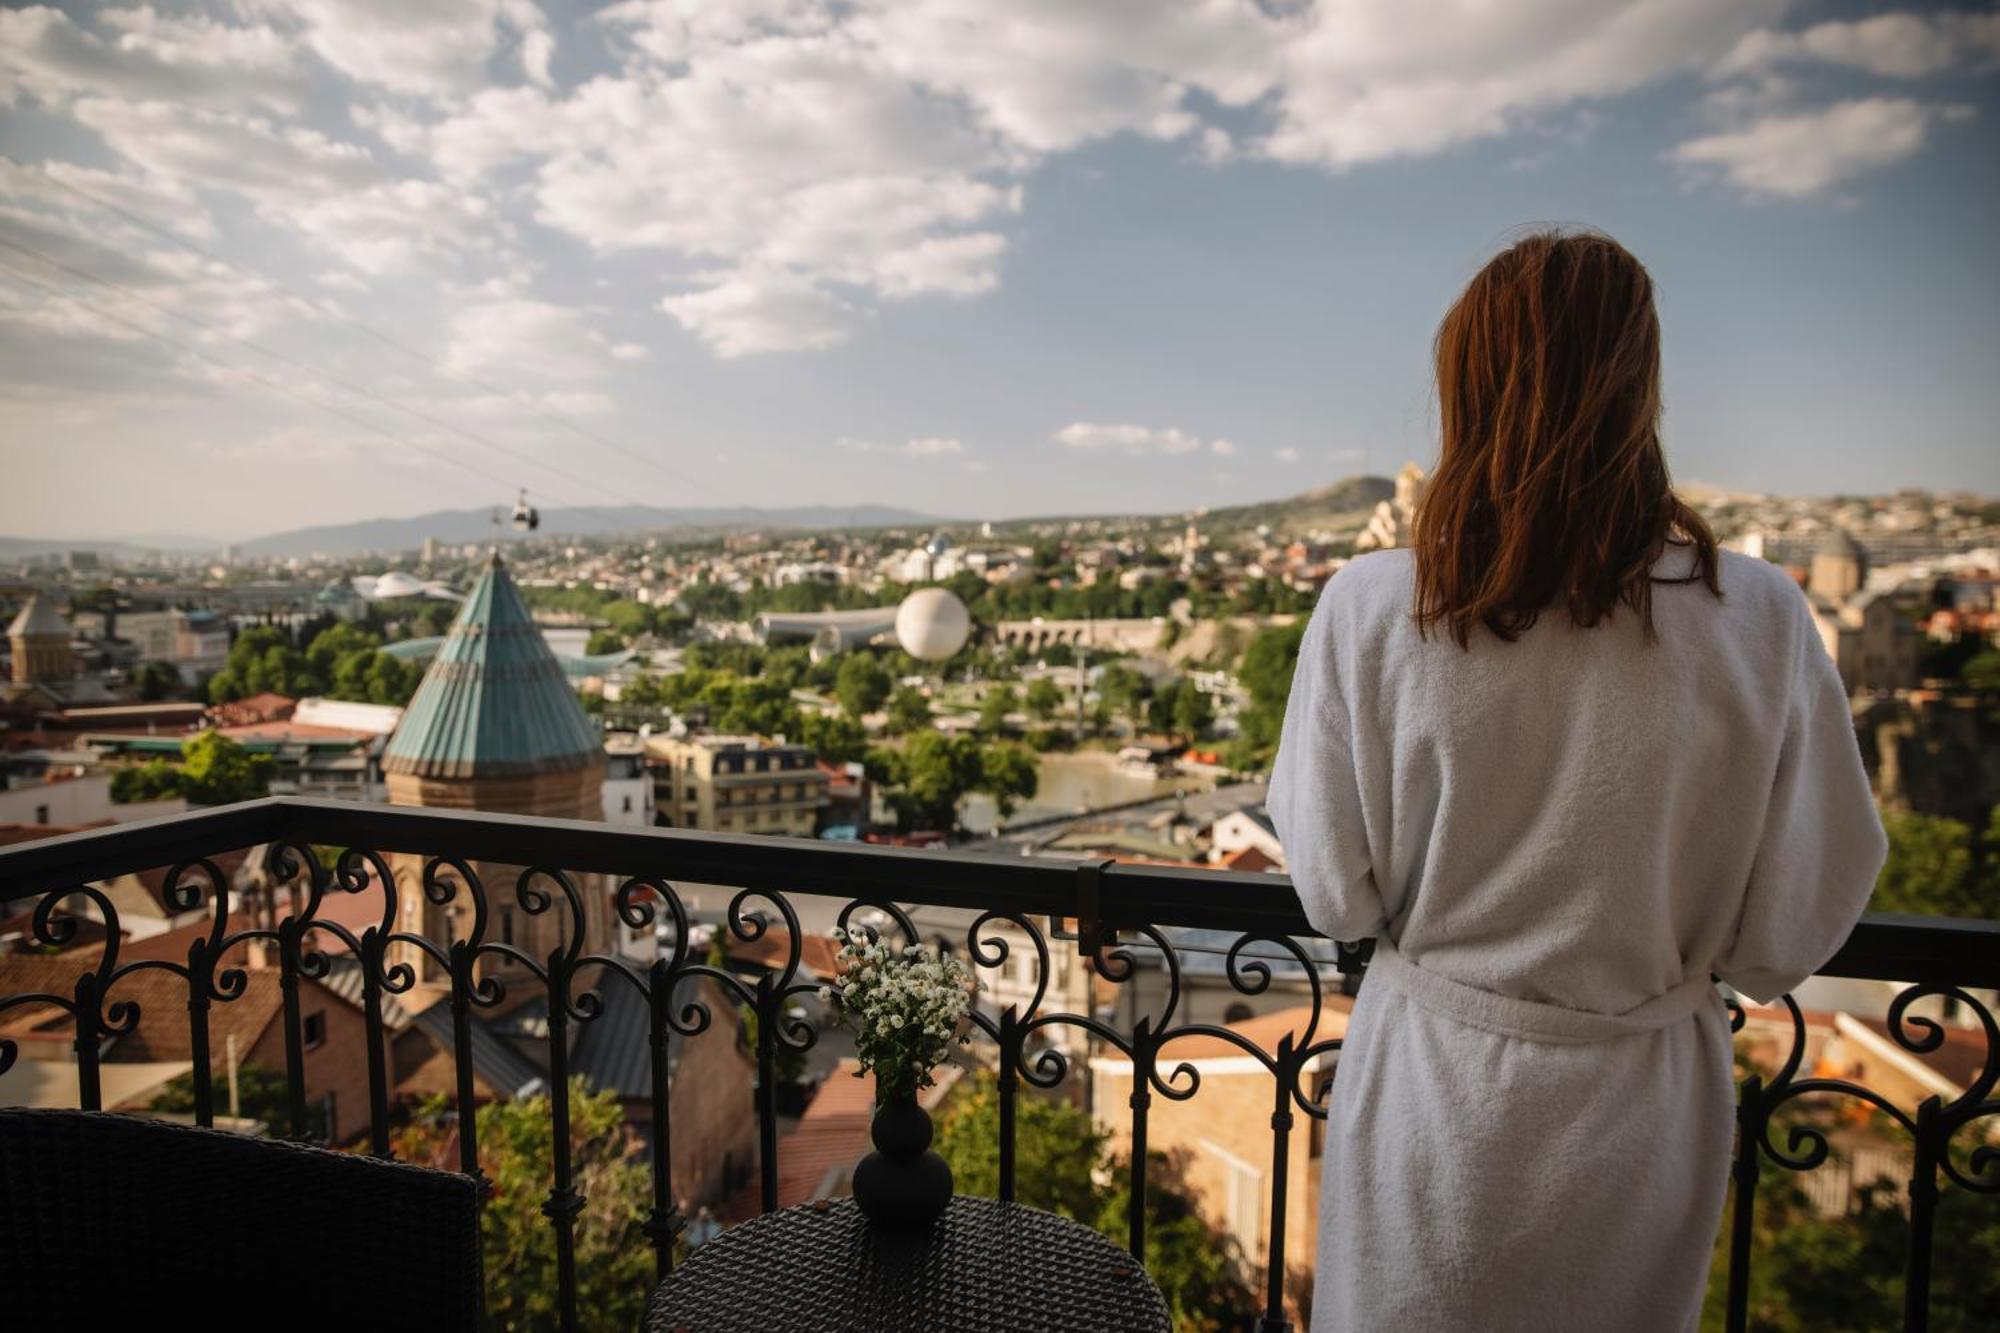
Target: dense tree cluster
214, 770
341, 661
1939, 866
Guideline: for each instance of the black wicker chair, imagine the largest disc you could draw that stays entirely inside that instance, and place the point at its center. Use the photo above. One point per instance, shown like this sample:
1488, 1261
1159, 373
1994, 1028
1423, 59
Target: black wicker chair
113, 1221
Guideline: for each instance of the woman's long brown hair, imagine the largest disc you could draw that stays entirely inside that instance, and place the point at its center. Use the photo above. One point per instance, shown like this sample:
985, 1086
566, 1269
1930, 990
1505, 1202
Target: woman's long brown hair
1551, 486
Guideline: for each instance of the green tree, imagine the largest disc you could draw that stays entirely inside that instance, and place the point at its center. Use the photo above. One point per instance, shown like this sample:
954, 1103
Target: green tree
1812, 1273
926, 778
156, 680
1045, 698
1266, 673
1181, 710
1982, 672
614, 1261
154, 780
604, 641
835, 737
862, 684
1125, 690
261, 1094
994, 707
215, 770
1060, 1157
1009, 774
909, 711
1930, 869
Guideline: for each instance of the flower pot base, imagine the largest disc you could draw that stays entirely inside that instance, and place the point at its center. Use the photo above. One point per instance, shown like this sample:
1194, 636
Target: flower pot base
902, 1194
902, 1184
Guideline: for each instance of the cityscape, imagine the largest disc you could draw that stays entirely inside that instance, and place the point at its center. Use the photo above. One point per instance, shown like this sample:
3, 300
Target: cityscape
555, 552
1079, 689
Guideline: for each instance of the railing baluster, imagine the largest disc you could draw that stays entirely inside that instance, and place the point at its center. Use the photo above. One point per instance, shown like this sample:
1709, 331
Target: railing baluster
1742, 1213
1142, 1098
461, 1054
202, 1074
373, 946
89, 1091
1274, 1320
664, 1222
1923, 1212
564, 1203
766, 1091
295, 1054
1010, 1087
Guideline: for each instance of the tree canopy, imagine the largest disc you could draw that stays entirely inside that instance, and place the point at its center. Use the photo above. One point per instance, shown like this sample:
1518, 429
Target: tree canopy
614, 1259
1062, 1163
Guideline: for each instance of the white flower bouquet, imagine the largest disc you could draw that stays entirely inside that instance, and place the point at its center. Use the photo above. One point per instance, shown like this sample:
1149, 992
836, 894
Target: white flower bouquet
906, 1008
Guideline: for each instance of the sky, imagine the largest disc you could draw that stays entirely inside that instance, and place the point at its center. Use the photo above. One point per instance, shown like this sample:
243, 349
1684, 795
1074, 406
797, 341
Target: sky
271, 263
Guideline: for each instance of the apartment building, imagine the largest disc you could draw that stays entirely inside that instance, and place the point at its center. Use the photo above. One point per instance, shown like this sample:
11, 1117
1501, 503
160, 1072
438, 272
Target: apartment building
736, 784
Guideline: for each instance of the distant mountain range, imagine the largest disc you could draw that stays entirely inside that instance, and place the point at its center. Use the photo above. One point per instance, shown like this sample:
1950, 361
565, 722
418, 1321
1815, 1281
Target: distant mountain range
454, 527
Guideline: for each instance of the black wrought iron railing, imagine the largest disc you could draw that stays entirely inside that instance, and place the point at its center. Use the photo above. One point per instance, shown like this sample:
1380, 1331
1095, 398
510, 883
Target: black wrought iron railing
1116, 916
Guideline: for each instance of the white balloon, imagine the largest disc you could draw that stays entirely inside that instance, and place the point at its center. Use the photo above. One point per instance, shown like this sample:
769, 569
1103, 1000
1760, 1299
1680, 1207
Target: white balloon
932, 624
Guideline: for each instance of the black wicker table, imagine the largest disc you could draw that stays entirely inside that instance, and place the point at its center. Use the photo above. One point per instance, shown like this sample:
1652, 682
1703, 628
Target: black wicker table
985, 1265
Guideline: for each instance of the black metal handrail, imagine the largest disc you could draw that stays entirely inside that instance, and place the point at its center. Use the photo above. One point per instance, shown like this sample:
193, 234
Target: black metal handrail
1112, 907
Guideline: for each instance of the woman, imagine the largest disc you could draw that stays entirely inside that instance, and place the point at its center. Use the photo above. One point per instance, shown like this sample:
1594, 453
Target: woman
1563, 759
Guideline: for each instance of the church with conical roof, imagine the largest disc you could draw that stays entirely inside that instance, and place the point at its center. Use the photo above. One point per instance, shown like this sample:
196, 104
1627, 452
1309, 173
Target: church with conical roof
495, 727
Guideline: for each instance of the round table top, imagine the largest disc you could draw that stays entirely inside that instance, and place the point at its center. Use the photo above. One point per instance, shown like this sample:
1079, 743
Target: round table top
824, 1268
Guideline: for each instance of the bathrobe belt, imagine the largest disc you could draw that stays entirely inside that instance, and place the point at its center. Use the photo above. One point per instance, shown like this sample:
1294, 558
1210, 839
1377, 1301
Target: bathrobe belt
1511, 1016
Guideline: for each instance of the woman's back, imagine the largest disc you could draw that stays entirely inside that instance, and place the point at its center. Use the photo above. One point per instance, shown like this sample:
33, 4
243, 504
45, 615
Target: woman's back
1563, 759
1578, 816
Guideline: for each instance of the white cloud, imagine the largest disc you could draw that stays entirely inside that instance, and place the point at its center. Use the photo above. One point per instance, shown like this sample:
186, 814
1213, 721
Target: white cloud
1804, 153
1130, 439
250, 155
762, 311
923, 447
1897, 46
629, 352
46, 55
1224, 447
1366, 82
1287, 455
787, 167
426, 48
511, 337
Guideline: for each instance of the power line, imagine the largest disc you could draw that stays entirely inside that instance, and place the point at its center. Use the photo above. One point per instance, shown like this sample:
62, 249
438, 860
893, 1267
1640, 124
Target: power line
333, 312
356, 389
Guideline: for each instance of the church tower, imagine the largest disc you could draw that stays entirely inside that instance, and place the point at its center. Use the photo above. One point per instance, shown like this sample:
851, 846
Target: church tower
495, 727
39, 639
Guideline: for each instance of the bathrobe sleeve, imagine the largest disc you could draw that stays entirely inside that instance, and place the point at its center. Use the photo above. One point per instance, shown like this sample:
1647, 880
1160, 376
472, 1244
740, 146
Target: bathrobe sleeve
1315, 800
1821, 846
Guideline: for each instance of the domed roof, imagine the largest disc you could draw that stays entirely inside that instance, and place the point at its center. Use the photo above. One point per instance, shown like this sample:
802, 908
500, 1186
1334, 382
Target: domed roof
38, 620
396, 583
495, 701
932, 624
1840, 542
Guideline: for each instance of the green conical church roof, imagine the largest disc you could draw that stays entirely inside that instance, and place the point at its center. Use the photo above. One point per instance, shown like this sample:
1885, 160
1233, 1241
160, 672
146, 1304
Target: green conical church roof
495, 702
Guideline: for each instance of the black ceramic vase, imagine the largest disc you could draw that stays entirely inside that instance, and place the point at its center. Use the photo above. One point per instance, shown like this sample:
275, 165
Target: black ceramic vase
902, 1185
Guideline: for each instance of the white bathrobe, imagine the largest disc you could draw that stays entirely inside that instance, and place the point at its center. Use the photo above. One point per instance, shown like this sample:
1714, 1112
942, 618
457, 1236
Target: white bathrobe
1555, 842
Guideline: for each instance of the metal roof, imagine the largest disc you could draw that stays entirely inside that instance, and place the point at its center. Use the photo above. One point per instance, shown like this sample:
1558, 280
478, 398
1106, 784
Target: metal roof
613, 1052
37, 620
495, 702
497, 1063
